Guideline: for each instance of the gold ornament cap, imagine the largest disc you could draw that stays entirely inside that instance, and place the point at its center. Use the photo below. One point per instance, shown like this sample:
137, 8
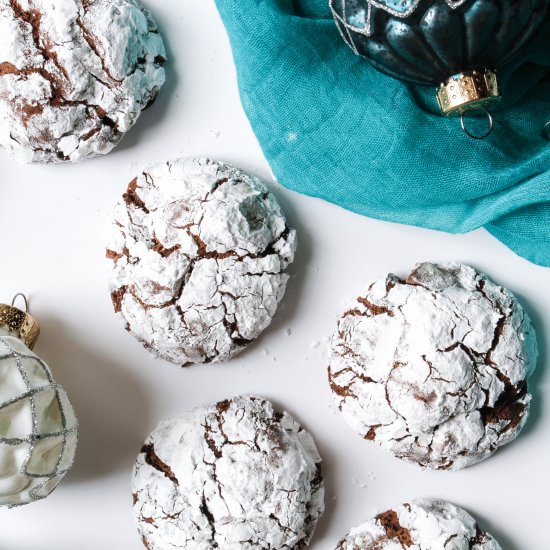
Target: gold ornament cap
19, 323
469, 90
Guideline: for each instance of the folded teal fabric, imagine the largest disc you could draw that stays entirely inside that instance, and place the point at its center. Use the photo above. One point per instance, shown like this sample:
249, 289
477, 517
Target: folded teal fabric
333, 127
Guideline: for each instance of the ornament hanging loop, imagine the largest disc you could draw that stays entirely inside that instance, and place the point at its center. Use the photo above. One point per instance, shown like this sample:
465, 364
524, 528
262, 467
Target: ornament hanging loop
26, 302
468, 132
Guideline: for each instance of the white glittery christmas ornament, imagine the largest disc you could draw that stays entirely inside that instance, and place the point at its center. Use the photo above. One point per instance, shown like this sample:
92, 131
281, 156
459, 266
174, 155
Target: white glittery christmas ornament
38, 426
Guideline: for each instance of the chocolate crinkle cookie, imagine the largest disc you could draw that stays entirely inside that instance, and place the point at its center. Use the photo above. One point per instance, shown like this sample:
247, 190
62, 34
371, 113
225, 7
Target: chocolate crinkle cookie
74, 75
236, 475
434, 368
199, 254
421, 525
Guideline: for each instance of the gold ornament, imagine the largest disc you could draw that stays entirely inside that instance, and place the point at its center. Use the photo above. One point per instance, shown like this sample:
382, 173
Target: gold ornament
468, 90
19, 322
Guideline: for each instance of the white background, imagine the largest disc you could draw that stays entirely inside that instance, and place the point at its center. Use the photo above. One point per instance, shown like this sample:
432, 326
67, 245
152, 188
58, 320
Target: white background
54, 222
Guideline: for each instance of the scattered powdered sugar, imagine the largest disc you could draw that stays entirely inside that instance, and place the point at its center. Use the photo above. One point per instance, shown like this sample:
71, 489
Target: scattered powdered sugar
421, 525
74, 75
434, 368
236, 475
363, 479
356, 480
199, 251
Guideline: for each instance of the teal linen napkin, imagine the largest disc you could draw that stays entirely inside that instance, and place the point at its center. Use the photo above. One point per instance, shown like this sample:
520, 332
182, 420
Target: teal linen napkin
333, 127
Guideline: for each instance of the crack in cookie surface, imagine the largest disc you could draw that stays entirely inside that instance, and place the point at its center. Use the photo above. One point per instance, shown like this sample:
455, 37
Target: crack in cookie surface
434, 368
249, 478
199, 252
75, 76
422, 525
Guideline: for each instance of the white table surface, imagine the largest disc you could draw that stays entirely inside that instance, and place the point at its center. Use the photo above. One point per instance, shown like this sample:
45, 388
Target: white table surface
54, 222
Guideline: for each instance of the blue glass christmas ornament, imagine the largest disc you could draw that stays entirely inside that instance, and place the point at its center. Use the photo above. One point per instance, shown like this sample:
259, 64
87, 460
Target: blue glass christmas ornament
456, 45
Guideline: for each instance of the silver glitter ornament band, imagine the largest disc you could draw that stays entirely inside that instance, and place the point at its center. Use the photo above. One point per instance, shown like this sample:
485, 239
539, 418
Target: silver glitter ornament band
364, 26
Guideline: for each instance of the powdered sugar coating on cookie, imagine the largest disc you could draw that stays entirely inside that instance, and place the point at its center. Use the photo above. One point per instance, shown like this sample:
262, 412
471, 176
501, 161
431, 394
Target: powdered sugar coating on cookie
199, 251
74, 75
421, 525
237, 475
434, 368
